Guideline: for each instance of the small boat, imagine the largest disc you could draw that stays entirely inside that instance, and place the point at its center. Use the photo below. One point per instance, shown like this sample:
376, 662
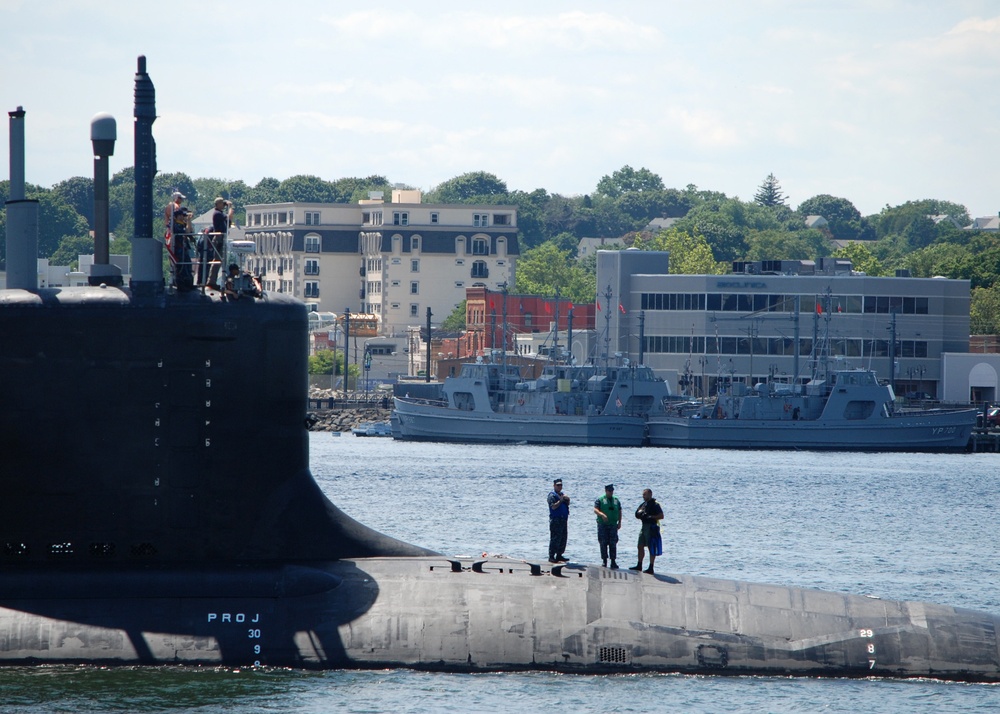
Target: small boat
847, 411
373, 428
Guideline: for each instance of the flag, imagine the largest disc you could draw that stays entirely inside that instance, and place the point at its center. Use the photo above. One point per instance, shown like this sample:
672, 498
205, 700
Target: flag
622, 308
548, 308
618, 402
819, 309
839, 309
598, 306
491, 303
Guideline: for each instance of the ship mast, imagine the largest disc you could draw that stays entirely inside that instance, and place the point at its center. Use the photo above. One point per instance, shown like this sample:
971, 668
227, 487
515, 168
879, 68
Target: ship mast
555, 332
607, 328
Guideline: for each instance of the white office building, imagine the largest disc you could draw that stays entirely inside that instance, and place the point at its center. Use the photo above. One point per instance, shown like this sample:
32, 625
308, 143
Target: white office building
762, 322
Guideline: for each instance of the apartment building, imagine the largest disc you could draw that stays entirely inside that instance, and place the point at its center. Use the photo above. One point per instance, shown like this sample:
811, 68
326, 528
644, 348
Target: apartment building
390, 260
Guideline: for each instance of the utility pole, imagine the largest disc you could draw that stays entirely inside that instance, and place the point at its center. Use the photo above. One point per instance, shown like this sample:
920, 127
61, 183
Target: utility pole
427, 372
347, 344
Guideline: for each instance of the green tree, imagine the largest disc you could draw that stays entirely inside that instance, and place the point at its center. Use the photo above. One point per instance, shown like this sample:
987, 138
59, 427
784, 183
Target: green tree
354, 189
309, 189
266, 191
78, 192
726, 224
121, 204
895, 220
530, 216
783, 244
455, 322
546, 269
120, 245
70, 249
769, 193
330, 362
845, 220
561, 215
643, 206
566, 242
984, 311
605, 218
468, 187
56, 220
628, 180
944, 259
689, 254
861, 259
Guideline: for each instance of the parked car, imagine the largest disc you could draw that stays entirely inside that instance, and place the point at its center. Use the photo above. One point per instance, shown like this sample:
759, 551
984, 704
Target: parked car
991, 420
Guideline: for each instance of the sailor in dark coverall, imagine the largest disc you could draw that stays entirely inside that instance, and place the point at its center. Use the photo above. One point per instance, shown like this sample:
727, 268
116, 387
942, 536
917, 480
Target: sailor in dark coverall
558, 522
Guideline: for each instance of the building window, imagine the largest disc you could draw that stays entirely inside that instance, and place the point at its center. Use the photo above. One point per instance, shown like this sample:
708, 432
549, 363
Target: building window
480, 220
415, 266
311, 289
312, 244
312, 218
480, 246
459, 284
434, 218
415, 243
394, 283
501, 219
414, 310
394, 306
414, 287
400, 218
459, 261
312, 267
479, 269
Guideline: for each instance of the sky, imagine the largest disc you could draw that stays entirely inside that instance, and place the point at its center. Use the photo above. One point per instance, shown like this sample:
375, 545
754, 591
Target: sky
876, 101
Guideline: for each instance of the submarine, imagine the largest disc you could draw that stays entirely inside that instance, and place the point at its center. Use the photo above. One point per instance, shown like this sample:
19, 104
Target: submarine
136, 530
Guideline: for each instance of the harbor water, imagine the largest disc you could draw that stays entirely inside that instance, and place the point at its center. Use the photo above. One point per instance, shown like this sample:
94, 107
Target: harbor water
899, 526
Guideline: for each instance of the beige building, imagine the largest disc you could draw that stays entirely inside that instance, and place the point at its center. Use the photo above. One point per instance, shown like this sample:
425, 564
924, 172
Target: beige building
391, 260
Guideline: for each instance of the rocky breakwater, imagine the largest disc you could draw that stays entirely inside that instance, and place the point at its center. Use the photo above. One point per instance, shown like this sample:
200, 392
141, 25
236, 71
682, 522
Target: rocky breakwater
329, 411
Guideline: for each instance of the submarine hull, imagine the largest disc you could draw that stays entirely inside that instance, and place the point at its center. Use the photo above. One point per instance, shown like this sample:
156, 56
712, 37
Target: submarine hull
446, 614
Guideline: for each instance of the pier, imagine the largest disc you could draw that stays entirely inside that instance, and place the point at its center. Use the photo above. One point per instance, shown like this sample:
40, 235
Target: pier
984, 440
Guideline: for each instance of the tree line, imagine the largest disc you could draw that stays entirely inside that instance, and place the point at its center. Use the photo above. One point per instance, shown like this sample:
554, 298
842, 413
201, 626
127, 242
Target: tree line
709, 230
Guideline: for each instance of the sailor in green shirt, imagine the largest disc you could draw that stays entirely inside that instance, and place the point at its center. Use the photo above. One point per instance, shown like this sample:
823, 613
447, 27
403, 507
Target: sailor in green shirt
609, 520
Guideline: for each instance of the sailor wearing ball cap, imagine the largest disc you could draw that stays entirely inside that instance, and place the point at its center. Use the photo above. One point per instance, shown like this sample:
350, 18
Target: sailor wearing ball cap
558, 522
609, 521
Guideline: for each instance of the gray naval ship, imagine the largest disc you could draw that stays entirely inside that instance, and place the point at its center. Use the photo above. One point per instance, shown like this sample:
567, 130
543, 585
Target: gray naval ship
171, 521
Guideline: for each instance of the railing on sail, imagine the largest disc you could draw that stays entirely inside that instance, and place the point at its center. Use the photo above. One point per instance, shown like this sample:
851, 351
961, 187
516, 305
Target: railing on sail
197, 254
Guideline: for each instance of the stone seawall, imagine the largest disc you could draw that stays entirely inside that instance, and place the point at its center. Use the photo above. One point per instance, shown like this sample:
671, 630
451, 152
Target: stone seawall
347, 418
